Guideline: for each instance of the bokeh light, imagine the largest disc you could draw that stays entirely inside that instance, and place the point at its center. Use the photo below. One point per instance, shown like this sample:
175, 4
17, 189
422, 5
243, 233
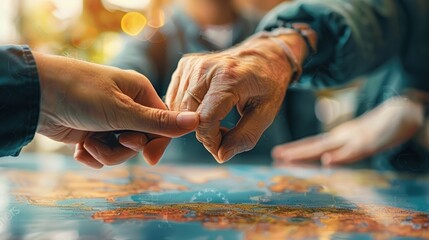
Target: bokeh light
133, 23
127, 5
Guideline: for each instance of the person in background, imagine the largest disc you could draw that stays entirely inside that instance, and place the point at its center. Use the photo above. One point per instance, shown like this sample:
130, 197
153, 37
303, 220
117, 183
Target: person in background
196, 26
81, 103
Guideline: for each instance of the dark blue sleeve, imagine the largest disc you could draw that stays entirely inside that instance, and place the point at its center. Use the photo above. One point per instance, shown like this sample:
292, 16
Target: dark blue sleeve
354, 36
416, 53
19, 98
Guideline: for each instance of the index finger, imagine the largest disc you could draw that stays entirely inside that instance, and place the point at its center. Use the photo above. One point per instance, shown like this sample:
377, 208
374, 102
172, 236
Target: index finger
213, 109
307, 149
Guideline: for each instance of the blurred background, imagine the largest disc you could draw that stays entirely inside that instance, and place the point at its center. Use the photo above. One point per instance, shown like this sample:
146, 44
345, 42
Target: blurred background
85, 29
96, 30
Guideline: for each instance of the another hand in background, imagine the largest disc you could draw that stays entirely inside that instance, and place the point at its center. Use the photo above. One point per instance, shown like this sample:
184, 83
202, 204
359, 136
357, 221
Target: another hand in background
84, 103
388, 125
252, 77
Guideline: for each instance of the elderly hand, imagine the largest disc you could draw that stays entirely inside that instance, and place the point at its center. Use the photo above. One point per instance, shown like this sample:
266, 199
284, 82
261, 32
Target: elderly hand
253, 77
85, 104
388, 125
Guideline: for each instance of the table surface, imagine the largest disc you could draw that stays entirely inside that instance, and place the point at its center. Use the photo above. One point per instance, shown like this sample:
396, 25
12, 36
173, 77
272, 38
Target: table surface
52, 197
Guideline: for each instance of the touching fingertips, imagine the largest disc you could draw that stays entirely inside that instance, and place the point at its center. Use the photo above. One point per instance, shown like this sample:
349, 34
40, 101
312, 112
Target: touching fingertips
187, 120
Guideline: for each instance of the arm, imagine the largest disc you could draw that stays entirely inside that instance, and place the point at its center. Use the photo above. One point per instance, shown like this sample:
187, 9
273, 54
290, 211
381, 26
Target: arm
19, 98
353, 36
84, 103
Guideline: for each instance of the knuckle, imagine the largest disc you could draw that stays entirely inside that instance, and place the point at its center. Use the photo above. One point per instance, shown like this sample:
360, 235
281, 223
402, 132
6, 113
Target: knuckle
182, 62
175, 76
207, 117
248, 141
162, 118
202, 130
225, 73
197, 76
208, 142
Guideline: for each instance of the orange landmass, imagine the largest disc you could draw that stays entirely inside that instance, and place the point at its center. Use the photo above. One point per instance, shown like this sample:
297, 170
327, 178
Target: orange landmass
283, 222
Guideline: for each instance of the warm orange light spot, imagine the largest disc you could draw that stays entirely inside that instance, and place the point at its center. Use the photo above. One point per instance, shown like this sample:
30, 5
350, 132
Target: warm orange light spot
133, 23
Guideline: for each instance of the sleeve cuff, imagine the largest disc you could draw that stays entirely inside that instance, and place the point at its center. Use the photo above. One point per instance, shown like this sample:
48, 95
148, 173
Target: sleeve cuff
19, 99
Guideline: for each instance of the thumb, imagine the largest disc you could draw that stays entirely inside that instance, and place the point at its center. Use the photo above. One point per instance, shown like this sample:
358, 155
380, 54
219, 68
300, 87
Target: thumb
161, 122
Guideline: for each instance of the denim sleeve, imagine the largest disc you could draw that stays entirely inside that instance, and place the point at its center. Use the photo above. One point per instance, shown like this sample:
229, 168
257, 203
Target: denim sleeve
354, 36
19, 98
416, 54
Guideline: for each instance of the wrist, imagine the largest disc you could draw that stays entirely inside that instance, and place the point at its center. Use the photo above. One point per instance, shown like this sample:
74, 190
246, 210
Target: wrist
289, 44
53, 71
297, 46
268, 52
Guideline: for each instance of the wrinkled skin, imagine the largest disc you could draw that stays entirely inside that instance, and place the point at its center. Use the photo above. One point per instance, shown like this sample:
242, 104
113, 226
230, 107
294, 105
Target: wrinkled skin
84, 104
253, 77
388, 125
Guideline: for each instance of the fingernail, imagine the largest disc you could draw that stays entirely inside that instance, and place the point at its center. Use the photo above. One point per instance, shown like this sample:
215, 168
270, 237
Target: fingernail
187, 120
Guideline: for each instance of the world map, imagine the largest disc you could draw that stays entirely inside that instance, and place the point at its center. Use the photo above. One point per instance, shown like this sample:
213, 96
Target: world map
133, 201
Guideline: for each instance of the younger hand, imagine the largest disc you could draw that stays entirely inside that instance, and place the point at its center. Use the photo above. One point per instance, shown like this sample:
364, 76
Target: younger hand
84, 103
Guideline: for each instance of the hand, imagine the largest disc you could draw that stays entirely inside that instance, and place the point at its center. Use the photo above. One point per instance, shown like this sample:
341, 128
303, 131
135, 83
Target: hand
388, 125
83, 103
252, 77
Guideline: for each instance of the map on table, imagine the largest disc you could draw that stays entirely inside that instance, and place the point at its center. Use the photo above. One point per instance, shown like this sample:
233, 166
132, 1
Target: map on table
51, 197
